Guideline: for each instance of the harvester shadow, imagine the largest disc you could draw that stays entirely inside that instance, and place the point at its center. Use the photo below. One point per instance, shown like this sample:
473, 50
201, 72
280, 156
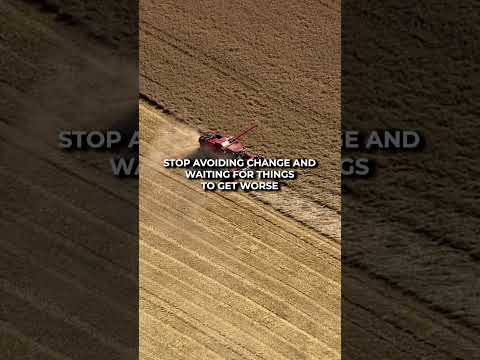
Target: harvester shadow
200, 154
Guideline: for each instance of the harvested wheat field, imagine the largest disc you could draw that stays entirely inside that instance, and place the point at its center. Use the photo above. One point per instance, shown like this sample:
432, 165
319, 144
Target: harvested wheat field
223, 276
230, 275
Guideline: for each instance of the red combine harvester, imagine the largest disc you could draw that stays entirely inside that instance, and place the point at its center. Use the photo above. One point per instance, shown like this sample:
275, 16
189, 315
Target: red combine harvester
217, 144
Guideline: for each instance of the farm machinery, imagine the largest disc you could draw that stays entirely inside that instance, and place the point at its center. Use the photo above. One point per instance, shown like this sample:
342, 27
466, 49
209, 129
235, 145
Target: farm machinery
217, 144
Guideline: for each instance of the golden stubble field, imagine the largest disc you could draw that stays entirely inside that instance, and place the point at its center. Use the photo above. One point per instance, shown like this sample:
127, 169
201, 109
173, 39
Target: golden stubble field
223, 276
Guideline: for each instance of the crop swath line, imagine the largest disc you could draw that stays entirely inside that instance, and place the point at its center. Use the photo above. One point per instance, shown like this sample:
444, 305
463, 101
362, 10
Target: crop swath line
208, 265
402, 288
304, 194
280, 256
266, 248
180, 322
229, 274
68, 310
409, 293
237, 296
187, 319
167, 352
211, 304
67, 277
257, 239
271, 223
427, 312
406, 332
84, 250
55, 311
75, 209
190, 320
243, 283
148, 351
304, 237
259, 281
275, 226
398, 287
164, 326
71, 173
61, 167
423, 312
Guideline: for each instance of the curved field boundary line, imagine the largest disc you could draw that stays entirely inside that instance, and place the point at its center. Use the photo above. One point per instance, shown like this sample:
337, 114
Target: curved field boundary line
329, 247
249, 205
